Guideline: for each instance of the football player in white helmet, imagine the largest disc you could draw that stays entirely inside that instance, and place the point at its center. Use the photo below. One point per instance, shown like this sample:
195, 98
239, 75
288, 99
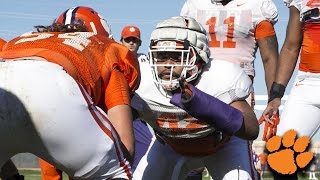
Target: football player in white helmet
196, 107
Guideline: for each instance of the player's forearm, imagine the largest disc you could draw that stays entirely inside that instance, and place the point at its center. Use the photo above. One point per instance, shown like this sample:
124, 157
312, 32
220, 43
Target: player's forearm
270, 72
287, 63
291, 48
269, 54
250, 127
121, 118
270, 67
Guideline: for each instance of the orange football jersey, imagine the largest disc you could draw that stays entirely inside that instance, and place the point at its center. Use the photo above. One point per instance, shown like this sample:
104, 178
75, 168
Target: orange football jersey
96, 62
310, 48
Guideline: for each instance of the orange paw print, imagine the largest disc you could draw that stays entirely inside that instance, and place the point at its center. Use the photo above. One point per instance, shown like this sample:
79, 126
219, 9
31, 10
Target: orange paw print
282, 158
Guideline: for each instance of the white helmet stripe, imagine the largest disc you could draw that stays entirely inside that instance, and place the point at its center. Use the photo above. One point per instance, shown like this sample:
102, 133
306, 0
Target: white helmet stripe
93, 27
69, 15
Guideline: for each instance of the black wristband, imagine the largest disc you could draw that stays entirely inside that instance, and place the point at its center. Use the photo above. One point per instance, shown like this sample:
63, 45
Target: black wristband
276, 91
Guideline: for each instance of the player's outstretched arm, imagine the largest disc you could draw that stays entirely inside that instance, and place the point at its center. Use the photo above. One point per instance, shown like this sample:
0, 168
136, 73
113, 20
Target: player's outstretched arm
235, 119
117, 100
121, 118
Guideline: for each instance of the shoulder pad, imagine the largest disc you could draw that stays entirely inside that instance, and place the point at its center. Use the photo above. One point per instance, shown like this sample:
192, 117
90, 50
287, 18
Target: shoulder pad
142, 57
227, 86
287, 2
188, 9
269, 10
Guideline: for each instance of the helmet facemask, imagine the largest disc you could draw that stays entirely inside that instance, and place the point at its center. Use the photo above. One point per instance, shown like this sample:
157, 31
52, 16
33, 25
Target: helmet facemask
171, 55
186, 41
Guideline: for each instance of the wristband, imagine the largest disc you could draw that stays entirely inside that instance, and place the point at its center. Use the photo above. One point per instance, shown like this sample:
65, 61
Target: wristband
276, 91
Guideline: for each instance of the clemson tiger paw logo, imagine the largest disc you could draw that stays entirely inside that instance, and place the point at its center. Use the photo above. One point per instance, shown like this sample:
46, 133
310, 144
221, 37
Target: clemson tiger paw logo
291, 155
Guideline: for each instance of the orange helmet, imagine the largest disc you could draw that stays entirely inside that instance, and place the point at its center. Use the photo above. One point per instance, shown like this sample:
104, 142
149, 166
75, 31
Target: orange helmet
93, 21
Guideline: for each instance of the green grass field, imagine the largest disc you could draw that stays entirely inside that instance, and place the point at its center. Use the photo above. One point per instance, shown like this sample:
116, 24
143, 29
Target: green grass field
34, 174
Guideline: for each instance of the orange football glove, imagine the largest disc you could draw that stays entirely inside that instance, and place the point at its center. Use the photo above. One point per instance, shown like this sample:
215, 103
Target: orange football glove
270, 127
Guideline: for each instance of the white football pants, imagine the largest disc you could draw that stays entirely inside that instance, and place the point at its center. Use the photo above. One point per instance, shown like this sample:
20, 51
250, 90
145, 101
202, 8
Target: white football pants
233, 161
302, 109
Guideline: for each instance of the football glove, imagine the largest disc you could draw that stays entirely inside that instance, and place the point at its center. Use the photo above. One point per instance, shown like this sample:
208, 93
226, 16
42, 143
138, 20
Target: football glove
270, 126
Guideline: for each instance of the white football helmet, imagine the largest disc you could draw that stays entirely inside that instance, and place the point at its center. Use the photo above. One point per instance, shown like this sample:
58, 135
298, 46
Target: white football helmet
186, 40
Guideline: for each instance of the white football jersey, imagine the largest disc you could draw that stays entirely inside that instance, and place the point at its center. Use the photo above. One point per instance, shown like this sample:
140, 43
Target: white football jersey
153, 103
231, 28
